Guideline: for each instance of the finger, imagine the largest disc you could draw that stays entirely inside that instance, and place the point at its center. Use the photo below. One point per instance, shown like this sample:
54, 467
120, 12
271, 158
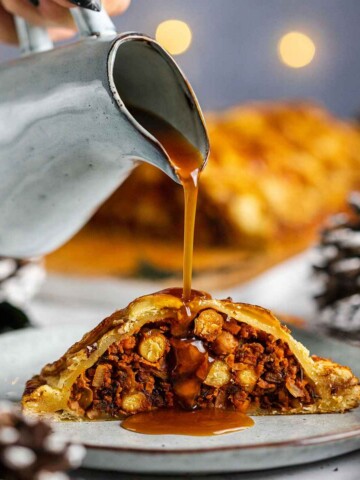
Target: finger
7, 30
47, 13
65, 3
24, 9
55, 14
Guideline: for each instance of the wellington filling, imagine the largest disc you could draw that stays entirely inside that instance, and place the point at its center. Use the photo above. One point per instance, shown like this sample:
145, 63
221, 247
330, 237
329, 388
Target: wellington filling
220, 363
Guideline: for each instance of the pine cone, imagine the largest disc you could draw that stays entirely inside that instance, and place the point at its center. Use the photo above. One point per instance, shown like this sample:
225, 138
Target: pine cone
338, 269
29, 450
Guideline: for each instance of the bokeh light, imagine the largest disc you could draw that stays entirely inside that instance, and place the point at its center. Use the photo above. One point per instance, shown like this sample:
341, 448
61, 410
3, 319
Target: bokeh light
174, 35
296, 49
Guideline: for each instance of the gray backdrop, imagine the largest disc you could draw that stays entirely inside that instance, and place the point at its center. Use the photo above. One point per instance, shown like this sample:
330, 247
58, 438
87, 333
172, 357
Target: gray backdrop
233, 56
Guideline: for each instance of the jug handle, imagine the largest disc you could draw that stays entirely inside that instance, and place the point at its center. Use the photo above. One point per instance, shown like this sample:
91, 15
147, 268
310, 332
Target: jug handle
36, 39
31, 38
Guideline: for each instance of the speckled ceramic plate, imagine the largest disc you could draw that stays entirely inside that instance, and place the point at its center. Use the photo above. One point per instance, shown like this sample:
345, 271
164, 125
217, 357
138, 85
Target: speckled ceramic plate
272, 442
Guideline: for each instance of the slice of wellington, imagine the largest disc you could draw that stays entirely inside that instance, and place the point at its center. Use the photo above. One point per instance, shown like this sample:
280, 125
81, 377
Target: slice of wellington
160, 352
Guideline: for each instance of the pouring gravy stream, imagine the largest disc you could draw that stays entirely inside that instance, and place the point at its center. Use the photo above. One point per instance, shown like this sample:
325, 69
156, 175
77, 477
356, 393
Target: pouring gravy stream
187, 161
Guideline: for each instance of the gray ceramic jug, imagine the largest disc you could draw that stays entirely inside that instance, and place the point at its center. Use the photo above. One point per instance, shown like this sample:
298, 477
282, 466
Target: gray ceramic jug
67, 140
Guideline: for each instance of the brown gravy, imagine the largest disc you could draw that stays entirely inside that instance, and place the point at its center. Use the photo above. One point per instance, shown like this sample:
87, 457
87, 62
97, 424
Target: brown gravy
184, 422
191, 364
187, 161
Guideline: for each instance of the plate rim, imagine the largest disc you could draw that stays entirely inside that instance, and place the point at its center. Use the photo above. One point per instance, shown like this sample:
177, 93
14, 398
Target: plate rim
313, 440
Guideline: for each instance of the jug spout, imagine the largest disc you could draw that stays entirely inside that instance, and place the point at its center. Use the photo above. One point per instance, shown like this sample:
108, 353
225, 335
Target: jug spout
142, 75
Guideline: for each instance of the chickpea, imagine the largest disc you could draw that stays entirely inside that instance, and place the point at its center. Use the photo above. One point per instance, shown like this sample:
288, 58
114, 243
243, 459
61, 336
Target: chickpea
246, 377
219, 374
225, 343
134, 402
153, 346
208, 324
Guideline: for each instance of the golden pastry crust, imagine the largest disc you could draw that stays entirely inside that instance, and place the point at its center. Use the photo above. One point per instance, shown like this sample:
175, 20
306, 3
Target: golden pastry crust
328, 386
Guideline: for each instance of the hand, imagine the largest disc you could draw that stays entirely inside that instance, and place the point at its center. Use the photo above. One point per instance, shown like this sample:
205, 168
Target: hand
53, 14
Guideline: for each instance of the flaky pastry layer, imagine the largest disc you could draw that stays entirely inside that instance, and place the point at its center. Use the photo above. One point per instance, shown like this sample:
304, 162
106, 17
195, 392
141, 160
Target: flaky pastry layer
336, 388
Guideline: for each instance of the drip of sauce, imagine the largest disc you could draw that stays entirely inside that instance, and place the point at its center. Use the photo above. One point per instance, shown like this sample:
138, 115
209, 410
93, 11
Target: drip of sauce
205, 422
185, 315
187, 161
191, 361
191, 368
178, 292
